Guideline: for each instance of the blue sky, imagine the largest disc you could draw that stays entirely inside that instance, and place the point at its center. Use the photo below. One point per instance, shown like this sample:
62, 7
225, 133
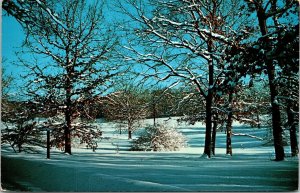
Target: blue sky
12, 38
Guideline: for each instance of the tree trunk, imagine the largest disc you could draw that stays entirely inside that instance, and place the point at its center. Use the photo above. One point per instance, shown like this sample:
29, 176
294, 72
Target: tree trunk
129, 129
68, 114
209, 99
276, 122
20, 147
258, 120
229, 133
214, 134
277, 131
48, 144
129, 134
154, 114
293, 135
207, 148
68, 135
229, 127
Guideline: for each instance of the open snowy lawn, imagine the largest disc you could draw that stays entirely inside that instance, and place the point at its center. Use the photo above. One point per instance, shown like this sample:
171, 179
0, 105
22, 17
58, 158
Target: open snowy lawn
113, 168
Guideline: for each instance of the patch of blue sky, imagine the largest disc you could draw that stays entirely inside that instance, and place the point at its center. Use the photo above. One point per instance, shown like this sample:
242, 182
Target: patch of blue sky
12, 38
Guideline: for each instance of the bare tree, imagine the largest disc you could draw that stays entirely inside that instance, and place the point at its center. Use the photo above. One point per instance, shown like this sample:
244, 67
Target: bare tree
162, 102
69, 68
126, 106
185, 40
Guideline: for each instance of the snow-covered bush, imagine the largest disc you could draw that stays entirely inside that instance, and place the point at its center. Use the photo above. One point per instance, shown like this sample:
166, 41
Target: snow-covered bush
159, 138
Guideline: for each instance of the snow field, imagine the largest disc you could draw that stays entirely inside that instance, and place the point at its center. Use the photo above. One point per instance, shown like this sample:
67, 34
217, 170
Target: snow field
113, 168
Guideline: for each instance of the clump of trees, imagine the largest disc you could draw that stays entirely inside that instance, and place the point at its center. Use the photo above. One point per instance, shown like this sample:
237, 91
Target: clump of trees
19, 127
214, 45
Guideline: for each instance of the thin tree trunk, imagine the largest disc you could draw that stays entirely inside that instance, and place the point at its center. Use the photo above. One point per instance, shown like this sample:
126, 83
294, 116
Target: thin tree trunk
276, 123
20, 148
20, 139
229, 127
154, 114
228, 135
207, 148
214, 134
48, 144
129, 129
68, 134
293, 135
258, 120
129, 134
68, 114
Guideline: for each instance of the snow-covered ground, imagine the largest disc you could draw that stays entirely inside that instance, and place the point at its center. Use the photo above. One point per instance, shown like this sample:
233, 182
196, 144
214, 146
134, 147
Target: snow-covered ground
113, 168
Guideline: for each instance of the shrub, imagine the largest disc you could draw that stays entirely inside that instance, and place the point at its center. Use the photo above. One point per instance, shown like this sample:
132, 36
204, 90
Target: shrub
159, 138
